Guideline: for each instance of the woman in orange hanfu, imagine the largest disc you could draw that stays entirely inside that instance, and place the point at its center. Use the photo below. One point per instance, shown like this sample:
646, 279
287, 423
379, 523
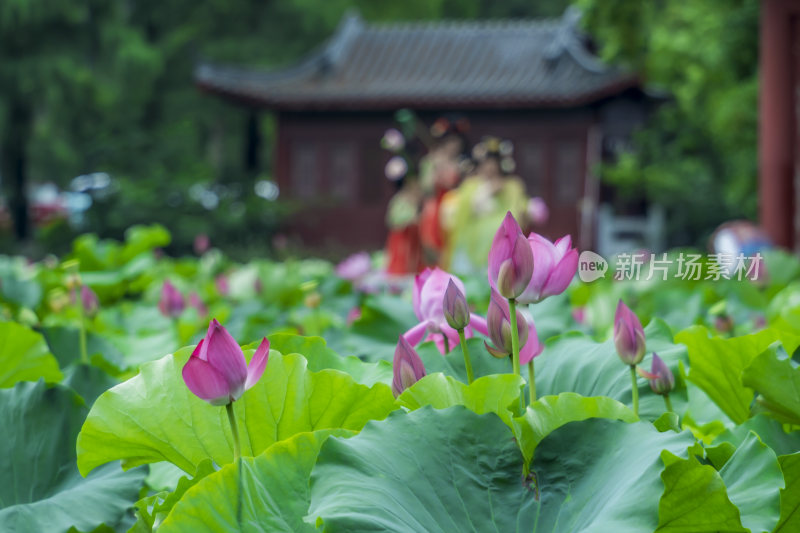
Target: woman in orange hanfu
403, 249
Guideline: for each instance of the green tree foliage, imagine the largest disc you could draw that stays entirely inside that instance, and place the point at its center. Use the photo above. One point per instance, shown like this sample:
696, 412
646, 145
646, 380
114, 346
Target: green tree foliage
108, 86
698, 153
70, 77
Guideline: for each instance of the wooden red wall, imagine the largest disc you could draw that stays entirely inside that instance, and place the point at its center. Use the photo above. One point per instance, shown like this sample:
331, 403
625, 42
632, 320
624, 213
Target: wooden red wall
551, 150
779, 113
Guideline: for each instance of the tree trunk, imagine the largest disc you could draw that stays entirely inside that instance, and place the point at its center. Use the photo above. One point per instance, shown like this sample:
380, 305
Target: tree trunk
14, 161
252, 151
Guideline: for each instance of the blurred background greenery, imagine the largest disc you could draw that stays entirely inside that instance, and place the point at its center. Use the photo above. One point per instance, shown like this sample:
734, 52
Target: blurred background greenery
106, 86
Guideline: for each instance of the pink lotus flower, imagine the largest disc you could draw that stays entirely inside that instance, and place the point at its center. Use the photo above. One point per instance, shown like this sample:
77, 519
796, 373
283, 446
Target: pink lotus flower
510, 259
197, 303
498, 319
354, 267
579, 315
628, 335
201, 243
538, 211
171, 303
217, 371
554, 266
222, 285
89, 301
723, 323
430, 287
662, 381
353, 315
407, 367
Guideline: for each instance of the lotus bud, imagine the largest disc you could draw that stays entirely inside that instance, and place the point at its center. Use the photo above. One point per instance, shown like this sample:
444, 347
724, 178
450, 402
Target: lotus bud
222, 285
353, 315
663, 381
723, 323
628, 335
171, 303
510, 260
73, 280
197, 303
456, 311
58, 299
498, 319
217, 371
407, 367
312, 300
89, 300
201, 243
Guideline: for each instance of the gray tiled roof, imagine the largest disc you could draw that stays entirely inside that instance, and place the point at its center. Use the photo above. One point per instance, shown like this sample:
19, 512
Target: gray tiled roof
523, 63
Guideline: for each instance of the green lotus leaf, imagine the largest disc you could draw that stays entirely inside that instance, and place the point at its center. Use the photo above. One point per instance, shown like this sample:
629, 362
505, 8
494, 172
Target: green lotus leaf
454, 470
24, 356
489, 394
41, 488
320, 357
549, 413
574, 362
268, 493
716, 366
154, 417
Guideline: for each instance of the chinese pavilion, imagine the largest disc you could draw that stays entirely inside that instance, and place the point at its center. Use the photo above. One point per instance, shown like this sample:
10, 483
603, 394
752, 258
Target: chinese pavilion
534, 82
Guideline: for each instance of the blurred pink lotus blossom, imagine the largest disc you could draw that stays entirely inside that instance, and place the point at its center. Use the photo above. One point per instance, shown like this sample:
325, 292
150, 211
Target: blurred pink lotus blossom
222, 285
171, 303
197, 303
354, 267
538, 212
201, 244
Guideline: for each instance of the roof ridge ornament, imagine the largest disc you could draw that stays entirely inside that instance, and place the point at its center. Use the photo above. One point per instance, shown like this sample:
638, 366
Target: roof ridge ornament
567, 39
349, 27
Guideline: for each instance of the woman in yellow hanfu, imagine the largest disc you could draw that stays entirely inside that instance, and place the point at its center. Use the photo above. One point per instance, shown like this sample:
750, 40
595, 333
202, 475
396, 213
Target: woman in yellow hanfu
471, 214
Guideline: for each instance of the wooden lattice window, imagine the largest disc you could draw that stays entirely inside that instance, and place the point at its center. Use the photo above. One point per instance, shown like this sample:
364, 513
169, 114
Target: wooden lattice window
343, 171
305, 169
567, 174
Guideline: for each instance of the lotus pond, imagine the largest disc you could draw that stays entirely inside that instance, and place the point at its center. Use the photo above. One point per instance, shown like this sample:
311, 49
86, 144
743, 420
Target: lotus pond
127, 403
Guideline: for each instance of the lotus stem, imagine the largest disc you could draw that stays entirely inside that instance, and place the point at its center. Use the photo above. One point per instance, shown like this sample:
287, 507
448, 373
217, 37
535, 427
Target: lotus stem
635, 391
512, 308
82, 335
668, 403
465, 351
531, 382
446, 344
234, 431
